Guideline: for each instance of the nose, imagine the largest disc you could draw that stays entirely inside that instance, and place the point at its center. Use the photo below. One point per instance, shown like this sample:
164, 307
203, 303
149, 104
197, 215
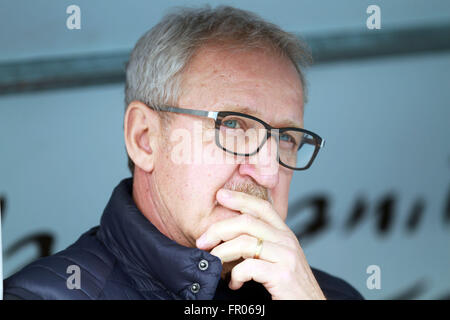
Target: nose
263, 167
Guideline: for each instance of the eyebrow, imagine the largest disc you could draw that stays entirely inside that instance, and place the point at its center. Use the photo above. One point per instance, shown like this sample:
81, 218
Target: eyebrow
243, 109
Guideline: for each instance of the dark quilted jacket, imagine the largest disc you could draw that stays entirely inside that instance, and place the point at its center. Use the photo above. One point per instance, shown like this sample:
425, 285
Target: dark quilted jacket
126, 257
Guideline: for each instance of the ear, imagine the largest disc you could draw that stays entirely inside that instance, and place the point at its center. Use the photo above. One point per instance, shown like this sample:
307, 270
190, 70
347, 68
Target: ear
142, 133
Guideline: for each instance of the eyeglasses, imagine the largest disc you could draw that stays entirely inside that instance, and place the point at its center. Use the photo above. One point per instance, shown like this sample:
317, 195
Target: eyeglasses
244, 135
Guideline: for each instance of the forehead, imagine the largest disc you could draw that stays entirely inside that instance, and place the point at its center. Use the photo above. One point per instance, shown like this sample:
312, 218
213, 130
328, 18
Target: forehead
255, 81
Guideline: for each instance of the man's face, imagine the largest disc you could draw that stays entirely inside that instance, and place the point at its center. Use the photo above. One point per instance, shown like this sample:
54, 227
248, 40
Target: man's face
250, 81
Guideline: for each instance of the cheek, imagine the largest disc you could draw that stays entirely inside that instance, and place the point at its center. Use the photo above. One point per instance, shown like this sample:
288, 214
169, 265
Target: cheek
192, 184
194, 202
281, 195
203, 181
191, 188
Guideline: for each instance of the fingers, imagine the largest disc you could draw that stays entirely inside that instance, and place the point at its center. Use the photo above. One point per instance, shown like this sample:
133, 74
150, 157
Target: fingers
281, 267
231, 228
251, 269
252, 205
244, 246
281, 282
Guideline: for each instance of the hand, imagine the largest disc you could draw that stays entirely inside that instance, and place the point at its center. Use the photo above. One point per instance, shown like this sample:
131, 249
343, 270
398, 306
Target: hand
282, 267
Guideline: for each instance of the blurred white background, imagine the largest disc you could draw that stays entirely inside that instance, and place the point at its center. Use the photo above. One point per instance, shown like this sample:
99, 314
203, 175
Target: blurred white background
386, 122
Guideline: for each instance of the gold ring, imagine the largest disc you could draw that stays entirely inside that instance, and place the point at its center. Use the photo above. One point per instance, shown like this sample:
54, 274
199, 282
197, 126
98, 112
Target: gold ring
258, 248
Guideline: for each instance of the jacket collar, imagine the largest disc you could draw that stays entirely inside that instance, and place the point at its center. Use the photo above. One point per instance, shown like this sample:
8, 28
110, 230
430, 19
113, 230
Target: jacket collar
152, 259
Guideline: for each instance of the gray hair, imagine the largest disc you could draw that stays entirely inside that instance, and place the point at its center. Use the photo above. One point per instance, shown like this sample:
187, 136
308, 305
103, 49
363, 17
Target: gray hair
154, 71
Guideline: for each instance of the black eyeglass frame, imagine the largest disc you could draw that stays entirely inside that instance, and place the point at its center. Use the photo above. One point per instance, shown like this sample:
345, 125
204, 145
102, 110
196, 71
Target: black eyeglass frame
218, 116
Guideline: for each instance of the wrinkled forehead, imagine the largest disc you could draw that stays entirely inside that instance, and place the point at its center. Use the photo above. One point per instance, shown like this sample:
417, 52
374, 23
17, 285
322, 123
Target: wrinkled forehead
253, 81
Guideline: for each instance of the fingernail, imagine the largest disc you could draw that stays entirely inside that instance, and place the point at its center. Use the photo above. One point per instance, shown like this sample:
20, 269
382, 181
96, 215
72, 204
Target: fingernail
226, 194
201, 242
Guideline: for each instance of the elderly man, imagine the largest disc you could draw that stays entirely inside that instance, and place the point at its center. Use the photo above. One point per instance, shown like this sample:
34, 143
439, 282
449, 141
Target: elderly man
214, 131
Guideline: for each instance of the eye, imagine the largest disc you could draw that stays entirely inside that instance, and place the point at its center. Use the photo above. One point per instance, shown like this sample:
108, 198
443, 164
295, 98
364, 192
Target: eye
287, 138
231, 123
288, 141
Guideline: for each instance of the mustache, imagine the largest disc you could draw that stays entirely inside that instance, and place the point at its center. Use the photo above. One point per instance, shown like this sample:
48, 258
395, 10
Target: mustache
250, 188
